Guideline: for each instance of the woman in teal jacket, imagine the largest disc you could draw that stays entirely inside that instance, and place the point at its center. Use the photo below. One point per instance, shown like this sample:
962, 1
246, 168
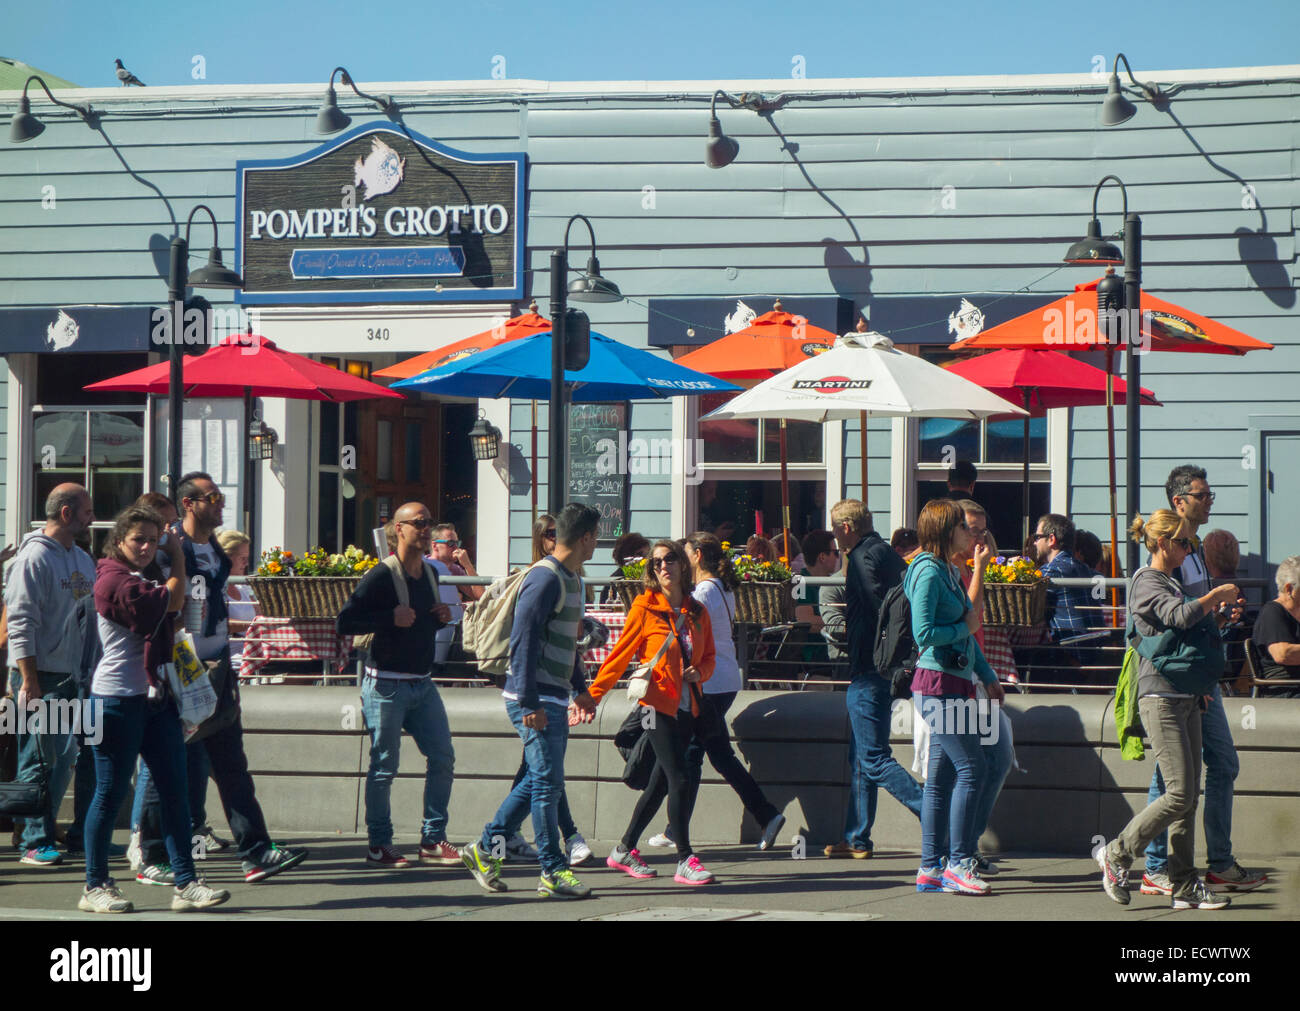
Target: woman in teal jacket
943, 688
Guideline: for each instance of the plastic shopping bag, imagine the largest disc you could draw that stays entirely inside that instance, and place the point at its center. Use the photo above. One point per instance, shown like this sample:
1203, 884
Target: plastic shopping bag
190, 684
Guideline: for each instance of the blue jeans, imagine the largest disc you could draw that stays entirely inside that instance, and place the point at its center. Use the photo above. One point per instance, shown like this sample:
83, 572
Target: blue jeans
391, 705
199, 767
956, 776
1219, 756
871, 760
134, 726
998, 759
58, 749
538, 793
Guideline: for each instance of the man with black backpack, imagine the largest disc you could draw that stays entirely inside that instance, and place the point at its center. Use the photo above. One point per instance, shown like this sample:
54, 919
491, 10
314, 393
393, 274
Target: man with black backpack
397, 692
871, 570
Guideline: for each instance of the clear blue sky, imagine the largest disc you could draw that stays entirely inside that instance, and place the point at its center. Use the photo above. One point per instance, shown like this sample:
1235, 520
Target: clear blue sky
290, 41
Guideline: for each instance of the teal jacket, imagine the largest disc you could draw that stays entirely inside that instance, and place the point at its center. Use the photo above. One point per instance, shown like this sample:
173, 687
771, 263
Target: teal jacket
939, 606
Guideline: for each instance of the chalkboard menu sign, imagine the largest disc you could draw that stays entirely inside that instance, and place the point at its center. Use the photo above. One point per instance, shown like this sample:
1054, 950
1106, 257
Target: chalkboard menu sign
595, 476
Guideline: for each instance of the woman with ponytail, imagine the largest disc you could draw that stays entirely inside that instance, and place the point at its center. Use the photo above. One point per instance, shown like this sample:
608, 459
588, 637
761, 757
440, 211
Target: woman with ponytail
715, 584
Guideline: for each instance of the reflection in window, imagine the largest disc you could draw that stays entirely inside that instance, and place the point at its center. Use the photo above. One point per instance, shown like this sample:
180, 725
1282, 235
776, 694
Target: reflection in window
737, 440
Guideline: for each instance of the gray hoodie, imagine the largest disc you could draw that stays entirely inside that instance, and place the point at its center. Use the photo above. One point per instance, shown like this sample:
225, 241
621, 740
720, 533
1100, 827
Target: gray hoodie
45, 583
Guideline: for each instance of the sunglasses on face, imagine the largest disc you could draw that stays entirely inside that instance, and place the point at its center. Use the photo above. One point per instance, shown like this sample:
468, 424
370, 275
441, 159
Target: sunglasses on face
1035, 538
663, 561
1183, 542
420, 524
1200, 496
212, 497
549, 535
449, 543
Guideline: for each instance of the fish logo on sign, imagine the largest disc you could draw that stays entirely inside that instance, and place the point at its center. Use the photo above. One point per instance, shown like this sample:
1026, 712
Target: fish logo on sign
1167, 326
63, 332
967, 321
814, 348
381, 170
832, 384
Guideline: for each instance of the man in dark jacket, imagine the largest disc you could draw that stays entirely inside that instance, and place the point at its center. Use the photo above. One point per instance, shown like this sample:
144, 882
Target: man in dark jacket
871, 570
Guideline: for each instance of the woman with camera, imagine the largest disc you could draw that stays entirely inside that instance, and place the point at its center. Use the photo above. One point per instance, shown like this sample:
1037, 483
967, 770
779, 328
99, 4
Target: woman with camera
949, 662
1180, 657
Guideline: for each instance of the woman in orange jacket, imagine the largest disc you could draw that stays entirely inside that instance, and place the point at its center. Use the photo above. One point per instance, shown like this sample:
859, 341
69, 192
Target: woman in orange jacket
667, 627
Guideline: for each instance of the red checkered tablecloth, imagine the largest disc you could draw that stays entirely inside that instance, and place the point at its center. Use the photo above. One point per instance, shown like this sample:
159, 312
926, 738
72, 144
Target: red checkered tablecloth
998, 643
613, 619
292, 639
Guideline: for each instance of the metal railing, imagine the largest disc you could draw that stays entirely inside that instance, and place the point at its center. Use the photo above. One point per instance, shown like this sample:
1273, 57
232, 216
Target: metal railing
792, 656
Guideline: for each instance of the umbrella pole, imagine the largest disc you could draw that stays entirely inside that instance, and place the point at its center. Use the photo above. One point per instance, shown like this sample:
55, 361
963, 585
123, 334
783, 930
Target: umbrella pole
1110, 453
1024, 494
250, 484
862, 417
785, 496
534, 470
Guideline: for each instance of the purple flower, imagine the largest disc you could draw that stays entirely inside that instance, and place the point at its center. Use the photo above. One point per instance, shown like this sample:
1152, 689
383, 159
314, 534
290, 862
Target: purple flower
1001, 559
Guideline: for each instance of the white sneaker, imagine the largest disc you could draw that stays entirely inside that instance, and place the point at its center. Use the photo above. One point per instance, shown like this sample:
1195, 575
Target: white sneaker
662, 841
197, 895
134, 855
105, 899
579, 851
518, 848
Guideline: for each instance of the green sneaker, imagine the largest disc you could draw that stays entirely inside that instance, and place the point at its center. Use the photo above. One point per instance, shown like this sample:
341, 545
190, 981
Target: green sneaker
486, 870
563, 884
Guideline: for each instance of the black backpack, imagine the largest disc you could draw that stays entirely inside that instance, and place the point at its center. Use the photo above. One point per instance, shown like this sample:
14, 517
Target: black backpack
895, 653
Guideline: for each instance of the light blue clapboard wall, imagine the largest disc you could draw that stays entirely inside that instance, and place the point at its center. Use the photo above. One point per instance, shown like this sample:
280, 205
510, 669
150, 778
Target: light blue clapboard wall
863, 213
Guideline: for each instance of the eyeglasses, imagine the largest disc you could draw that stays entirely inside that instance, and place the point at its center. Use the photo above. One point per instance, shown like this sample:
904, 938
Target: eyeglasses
419, 524
1183, 542
212, 497
1035, 538
1200, 496
450, 544
663, 561
549, 535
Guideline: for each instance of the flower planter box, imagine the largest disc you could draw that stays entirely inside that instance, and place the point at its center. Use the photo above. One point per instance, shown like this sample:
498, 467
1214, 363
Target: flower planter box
628, 590
1020, 604
302, 596
762, 603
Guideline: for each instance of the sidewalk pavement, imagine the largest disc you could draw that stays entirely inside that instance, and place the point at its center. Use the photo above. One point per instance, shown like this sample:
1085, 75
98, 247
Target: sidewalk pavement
335, 884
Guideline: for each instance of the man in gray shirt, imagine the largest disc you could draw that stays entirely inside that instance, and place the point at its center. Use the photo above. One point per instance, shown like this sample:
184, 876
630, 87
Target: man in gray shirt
49, 576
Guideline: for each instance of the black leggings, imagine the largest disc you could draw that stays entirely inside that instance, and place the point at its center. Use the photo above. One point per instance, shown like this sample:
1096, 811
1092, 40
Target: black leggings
669, 737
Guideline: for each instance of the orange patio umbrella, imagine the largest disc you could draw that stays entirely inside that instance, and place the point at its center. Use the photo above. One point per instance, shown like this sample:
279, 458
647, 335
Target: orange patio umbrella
770, 344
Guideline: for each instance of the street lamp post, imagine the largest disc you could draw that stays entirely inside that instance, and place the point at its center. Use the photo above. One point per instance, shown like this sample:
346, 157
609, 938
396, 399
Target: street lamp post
1093, 250
590, 288
214, 275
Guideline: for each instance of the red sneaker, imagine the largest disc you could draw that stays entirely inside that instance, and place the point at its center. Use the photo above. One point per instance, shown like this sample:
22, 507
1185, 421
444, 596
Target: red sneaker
440, 854
385, 856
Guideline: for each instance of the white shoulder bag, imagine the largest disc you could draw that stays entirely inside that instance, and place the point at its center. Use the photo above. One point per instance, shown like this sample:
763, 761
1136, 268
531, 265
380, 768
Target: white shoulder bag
639, 683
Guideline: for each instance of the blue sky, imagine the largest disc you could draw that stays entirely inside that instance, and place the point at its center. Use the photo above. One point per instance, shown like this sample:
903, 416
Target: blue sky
274, 42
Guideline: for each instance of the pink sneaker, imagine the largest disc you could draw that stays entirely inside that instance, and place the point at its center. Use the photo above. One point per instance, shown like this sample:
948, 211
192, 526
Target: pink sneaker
629, 862
692, 872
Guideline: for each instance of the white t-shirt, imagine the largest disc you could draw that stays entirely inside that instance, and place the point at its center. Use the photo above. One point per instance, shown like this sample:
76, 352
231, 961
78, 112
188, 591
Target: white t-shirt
209, 647
721, 605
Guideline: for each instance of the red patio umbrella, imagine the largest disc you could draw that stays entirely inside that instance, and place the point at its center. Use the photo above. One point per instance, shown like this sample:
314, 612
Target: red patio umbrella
248, 365
771, 344
1045, 379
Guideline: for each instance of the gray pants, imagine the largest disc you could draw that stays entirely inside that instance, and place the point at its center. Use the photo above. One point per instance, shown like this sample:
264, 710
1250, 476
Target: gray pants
1174, 726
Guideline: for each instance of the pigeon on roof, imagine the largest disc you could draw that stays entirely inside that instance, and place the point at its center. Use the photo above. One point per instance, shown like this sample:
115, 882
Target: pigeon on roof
125, 76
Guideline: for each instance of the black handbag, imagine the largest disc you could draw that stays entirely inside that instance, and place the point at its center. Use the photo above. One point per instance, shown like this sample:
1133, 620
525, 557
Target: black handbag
27, 800
225, 685
633, 744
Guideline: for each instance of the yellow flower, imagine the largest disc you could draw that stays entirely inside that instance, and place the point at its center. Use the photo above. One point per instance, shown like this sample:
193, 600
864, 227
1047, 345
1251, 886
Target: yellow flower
274, 567
1038, 573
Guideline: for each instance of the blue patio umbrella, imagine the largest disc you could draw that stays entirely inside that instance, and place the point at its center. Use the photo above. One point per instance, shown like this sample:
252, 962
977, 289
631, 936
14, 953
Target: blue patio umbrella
522, 368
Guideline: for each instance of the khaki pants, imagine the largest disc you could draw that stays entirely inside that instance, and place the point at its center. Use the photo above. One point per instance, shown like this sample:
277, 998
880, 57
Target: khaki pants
1174, 726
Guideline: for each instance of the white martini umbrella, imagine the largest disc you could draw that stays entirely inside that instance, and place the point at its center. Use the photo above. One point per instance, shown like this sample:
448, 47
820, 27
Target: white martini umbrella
864, 373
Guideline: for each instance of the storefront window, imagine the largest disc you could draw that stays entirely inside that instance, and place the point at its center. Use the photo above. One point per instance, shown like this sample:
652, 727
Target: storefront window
737, 441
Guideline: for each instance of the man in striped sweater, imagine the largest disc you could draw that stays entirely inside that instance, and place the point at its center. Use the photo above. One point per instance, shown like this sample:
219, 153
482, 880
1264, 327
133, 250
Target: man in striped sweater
546, 672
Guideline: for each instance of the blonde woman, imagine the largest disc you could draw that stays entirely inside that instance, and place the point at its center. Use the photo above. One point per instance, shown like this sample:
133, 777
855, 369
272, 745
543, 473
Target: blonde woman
1180, 657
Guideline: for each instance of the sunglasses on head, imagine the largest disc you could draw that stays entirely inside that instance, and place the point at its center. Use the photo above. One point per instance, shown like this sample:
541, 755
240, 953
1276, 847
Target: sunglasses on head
663, 561
419, 524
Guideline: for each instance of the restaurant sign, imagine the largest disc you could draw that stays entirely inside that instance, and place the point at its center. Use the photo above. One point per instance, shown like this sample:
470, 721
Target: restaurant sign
381, 214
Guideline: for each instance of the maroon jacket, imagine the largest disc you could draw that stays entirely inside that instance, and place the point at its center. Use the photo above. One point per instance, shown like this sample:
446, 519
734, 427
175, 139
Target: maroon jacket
125, 597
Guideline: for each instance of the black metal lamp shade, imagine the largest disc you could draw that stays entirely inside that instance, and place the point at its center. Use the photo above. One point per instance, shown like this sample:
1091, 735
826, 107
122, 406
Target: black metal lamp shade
593, 287
330, 118
1093, 249
1115, 108
720, 150
215, 274
24, 126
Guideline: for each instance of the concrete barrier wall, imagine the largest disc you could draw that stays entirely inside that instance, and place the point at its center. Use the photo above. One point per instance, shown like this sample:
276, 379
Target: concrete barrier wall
308, 751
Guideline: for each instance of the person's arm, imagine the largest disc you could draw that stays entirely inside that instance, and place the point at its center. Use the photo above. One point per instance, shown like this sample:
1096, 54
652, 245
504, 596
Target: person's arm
630, 642
1285, 653
928, 589
1152, 596
373, 606
534, 606
462, 559
23, 601
834, 624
